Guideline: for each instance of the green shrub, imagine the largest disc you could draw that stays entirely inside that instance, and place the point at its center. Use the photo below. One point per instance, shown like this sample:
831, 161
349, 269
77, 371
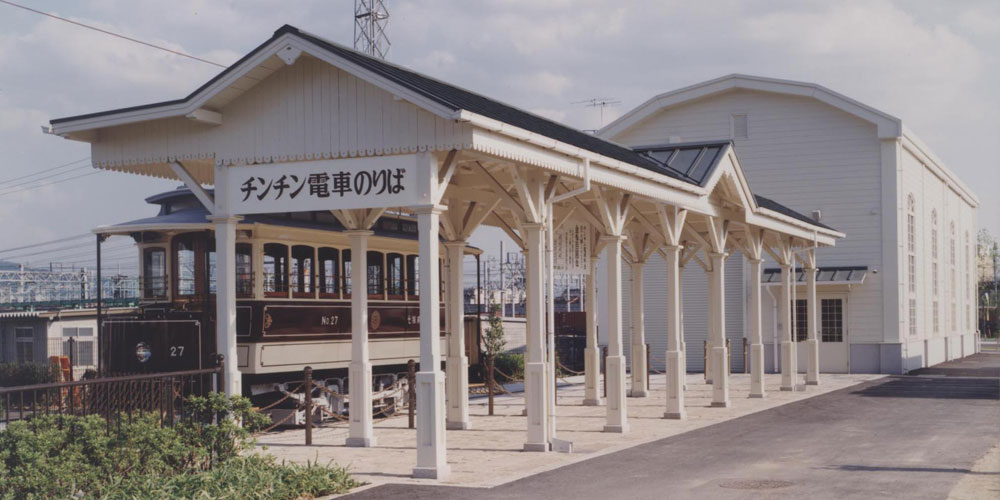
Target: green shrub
204, 457
15, 374
509, 364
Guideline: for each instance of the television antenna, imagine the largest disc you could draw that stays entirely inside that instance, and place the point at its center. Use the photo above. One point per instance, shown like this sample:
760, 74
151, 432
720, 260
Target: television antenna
370, 19
600, 103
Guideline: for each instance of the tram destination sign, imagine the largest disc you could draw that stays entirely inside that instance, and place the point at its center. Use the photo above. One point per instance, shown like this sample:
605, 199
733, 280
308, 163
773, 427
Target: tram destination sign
387, 181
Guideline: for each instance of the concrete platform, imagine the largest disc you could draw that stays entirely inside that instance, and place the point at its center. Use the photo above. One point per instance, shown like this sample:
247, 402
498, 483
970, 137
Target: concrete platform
491, 453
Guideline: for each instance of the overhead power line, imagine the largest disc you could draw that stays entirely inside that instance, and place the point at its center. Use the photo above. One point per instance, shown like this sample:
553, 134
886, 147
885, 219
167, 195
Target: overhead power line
29, 188
46, 243
57, 174
64, 165
106, 32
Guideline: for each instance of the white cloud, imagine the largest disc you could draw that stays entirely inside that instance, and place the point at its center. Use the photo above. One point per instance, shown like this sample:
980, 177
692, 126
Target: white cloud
544, 82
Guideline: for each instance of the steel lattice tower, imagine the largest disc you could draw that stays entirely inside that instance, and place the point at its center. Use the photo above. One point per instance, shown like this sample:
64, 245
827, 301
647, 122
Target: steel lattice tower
370, 19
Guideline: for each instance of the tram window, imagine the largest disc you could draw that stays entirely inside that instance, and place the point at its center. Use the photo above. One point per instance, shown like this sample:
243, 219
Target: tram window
210, 264
184, 263
302, 271
154, 273
394, 276
275, 270
244, 270
329, 272
345, 257
412, 272
376, 275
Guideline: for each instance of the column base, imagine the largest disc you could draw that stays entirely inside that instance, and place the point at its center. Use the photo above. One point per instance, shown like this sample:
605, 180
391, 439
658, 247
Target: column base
721, 404
536, 447
638, 393
562, 445
592, 402
756, 396
812, 382
617, 417
440, 472
670, 415
536, 387
456, 383
356, 442
787, 389
458, 426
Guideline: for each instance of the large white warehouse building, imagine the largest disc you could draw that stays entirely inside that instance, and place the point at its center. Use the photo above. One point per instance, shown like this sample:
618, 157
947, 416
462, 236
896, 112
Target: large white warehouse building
896, 294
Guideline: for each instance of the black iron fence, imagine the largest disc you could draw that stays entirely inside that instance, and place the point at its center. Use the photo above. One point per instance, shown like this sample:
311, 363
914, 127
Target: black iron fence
114, 398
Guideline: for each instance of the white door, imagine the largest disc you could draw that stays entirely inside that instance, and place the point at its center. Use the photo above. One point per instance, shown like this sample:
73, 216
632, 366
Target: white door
833, 342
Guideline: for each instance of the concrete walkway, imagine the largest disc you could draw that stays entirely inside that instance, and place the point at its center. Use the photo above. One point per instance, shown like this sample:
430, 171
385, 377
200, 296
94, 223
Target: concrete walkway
906, 437
490, 454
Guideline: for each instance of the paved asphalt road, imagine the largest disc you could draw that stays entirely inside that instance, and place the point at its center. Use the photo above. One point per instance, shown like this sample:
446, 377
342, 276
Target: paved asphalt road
909, 437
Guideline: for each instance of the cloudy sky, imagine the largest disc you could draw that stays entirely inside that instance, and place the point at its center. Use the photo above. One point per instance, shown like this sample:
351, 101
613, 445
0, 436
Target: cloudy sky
932, 63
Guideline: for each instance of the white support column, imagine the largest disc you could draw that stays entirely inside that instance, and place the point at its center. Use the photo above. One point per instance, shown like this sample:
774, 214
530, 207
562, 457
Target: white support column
225, 301
717, 331
431, 451
225, 286
675, 353
617, 418
638, 340
756, 335
709, 338
680, 306
536, 383
361, 433
592, 353
457, 363
812, 316
788, 368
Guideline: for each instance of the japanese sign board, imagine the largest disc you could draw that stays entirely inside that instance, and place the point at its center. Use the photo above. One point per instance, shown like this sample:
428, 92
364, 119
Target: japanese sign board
349, 183
571, 249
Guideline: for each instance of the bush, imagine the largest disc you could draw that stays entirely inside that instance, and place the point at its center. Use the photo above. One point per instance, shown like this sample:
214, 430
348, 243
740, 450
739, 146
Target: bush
15, 374
60, 456
509, 364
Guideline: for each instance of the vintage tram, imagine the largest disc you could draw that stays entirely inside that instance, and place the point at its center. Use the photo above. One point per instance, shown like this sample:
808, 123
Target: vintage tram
293, 307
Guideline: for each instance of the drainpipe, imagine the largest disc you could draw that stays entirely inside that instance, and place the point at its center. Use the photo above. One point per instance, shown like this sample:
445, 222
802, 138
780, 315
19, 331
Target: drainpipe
579, 190
774, 329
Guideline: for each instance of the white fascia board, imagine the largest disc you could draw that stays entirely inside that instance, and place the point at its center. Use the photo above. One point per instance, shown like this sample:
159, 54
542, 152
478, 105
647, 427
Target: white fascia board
888, 125
543, 143
385, 84
507, 148
731, 163
918, 148
779, 222
197, 101
176, 109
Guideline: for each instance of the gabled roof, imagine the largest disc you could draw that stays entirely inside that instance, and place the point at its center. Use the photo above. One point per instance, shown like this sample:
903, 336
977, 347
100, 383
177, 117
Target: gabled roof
448, 96
888, 125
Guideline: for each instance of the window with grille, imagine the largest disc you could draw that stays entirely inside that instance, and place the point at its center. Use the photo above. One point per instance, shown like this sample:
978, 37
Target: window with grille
801, 319
832, 320
968, 284
24, 344
82, 350
913, 316
953, 282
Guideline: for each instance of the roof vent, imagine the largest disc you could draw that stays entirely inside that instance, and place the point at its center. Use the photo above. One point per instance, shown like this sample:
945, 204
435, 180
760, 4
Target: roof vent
817, 215
741, 128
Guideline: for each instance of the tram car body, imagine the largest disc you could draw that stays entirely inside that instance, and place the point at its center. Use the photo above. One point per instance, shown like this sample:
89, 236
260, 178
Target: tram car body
293, 306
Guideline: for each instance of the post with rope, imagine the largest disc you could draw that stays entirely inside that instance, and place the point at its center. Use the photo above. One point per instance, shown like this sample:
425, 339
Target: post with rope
307, 383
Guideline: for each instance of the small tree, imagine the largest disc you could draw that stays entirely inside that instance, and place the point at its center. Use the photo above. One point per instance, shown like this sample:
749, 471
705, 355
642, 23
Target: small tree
494, 342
